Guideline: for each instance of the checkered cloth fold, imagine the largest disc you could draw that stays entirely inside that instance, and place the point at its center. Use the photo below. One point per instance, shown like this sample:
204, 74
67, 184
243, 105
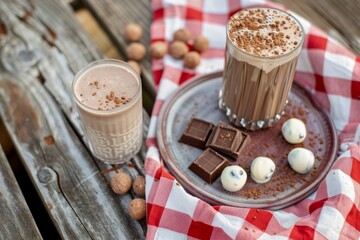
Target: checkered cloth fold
332, 75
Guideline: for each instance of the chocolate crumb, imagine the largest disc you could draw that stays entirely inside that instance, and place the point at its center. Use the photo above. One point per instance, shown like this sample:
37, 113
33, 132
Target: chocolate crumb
49, 140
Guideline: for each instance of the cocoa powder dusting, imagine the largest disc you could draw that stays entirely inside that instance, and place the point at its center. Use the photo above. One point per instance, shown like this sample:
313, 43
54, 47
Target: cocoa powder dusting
263, 32
110, 100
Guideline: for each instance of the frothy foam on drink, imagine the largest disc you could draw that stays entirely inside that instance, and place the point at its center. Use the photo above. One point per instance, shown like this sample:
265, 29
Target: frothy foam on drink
265, 32
109, 87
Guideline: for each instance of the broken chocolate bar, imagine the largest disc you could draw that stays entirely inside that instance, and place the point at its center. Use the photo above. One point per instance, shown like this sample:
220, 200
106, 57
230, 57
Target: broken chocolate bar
227, 140
209, 165
196, 133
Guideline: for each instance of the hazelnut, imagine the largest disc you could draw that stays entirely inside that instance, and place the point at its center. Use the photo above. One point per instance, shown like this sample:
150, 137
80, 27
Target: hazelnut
136, 51
182, 34
139, 186
121, 183
137, 209
201, 44
158, 49
133, 32
178, 49
192, 59
135, 65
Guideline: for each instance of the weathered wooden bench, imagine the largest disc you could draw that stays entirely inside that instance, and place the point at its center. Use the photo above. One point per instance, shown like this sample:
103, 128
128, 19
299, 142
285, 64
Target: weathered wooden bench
41, 47
16, 220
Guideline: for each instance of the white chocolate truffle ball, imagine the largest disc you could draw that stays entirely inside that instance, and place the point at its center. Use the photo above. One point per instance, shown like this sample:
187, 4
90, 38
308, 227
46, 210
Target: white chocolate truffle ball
233, 178
262, 168
301, 160
294, 131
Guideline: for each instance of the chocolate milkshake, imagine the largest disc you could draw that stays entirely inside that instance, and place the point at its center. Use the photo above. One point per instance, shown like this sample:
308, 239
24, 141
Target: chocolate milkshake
108, 97
262, 48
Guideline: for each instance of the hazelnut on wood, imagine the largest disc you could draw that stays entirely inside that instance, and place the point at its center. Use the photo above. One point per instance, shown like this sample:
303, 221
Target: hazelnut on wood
121, 183
139, 186
178, 49
137, 209
192, 59
135, 65
133, 32
201, 44
136, 51
158, 49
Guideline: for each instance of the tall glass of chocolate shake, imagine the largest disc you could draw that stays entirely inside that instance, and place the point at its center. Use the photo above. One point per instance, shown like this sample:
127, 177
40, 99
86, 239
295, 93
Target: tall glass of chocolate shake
108, 94
262, 48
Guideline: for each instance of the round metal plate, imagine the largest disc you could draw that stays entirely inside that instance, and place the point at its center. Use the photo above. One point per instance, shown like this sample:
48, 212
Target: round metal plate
199, 98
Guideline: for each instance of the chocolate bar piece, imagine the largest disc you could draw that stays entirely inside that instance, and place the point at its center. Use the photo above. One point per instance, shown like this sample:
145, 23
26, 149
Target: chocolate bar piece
196, 133
245, 141
209, 165
228, 140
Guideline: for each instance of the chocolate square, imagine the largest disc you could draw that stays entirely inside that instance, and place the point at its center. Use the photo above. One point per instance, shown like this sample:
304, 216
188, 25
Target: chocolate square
209, 165
245, 141
228, 140
196, 133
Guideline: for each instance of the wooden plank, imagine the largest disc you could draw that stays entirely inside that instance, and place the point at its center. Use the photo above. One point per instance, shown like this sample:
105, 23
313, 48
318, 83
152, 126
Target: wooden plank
340, 19
42, 47
97, 34
113, 16
16, 221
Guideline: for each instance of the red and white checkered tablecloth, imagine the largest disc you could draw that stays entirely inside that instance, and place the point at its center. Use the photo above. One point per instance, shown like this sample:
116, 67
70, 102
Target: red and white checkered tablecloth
328, 70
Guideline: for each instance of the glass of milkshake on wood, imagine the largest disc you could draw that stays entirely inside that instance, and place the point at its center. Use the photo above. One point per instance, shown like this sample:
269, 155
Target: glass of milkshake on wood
108, 94
262, 48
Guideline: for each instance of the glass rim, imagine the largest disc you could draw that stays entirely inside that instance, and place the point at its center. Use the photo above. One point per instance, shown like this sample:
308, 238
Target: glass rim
100, 62
264, 57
